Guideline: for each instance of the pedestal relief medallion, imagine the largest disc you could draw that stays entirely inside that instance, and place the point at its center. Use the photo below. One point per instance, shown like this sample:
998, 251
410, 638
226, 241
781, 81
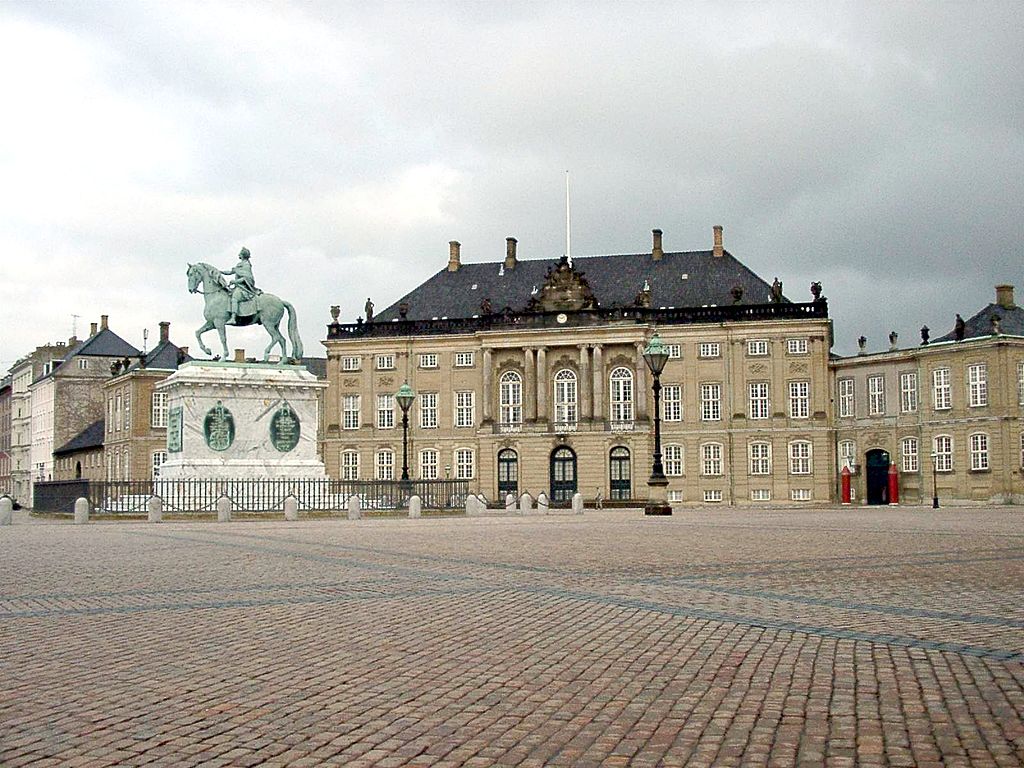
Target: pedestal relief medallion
285, 428
219, 428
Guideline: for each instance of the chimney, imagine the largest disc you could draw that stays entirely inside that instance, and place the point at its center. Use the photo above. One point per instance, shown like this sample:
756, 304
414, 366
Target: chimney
656, 251
72, 341
165, 331
239, 355
510, 252
103, 322
718, 251
92, 329
1004, 296
453, 256
184, 350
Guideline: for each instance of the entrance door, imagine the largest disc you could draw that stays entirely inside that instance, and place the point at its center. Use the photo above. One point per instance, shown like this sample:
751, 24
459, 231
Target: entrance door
508, 474
618, 462
563, 474
877, 475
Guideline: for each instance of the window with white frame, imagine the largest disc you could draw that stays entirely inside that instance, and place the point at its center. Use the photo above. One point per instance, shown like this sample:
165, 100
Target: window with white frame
710, 402
672, 402
760, 494
385, 411
463, 359
83, 364
621, 390
711, 459
1020, 383
428, 360
565, 397
117, 412
158, 410
979, 452
350, 364
464, 464
385, 362
349, 465
386, 464
350, 412
127, 410
908, 392
977, 385
1022, 450
799, 399
672, 460
712, 496
760, 457
847, 454
759, 407
800, 494
109, 423
675, 496
796, 346
465, 409
510, 396
428, 410
428, 464
157, 460
876, 395
943, 453
942, 397
757, 347
800, 457
846, 403
675, 351
909, 455
709, 349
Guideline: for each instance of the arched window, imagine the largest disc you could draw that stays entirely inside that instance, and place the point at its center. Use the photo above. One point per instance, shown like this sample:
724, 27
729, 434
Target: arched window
386, 464
711, 459
619, 473
672, 460
349, 465
508, 472
511, 398
428, 464
464, 464
566, 411
563, 473
621, 395
800, 457
943, 453
760, 455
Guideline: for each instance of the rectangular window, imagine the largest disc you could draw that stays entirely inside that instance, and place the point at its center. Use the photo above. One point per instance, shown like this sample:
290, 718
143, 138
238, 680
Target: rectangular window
464, 409
158, 413
846, 398
350, 364
908, 392
672, 402
675, 496
800, 494
83, 365
760, 455
350, 412
1020, 383
385, 411
908, 450
760, 494
847, 454
673, 460
711, 459
675, 351
463, 359
977, 385
158, 459
117, 412
710, 402
757, 347
350, 465
127, 410
800, 457
942, 397
464, 464
979, 452
796, 346
759, 407
428, 360
709, 349
876, 395
385, 465
385, 362
943, 454
428, 410
799, 399
712, 497
428, 464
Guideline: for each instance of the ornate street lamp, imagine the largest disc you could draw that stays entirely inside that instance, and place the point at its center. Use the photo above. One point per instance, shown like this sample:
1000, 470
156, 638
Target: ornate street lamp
935, 485
405, 396
656, 355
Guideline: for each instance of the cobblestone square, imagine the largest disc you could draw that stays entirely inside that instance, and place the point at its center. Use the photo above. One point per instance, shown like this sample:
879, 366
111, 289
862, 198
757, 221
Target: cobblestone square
715, 637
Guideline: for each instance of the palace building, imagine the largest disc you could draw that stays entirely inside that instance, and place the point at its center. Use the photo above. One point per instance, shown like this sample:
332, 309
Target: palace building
529, 376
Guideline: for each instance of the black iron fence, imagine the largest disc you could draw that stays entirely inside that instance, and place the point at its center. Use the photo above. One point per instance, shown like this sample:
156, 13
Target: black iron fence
246, 494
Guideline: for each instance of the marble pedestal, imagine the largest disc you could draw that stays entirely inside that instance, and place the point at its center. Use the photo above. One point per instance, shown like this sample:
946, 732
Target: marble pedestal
241, 420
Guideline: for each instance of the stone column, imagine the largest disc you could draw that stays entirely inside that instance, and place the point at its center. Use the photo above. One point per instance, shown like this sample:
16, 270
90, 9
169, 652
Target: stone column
530, 385
642, 390
487, 365
542, 383
598, 381
586, 383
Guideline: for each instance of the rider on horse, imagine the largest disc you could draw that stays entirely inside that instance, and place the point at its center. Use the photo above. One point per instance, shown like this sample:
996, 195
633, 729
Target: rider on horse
243, 286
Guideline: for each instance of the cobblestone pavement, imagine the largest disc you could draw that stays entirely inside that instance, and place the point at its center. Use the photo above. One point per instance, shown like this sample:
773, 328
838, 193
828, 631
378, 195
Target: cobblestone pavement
714, 637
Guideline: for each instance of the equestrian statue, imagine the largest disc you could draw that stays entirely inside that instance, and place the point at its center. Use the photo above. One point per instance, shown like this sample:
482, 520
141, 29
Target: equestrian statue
241, 303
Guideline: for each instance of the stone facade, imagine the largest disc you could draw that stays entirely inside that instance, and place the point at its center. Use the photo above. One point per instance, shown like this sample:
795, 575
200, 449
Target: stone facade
6, 484
135, 425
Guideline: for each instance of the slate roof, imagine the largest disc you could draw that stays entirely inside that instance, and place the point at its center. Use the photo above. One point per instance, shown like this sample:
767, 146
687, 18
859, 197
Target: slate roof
1011, 322
316, 365
88, 439
615, 281
164, 356
105, 343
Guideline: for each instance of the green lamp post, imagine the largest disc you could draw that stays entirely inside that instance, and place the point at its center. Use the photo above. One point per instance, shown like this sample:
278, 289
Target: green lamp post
405, 396
656, 356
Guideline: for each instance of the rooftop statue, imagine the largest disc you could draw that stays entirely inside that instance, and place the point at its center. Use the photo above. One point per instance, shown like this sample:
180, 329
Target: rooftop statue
241, 303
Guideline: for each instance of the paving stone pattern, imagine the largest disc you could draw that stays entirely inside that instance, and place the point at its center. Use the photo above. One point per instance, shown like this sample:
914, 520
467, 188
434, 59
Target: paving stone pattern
714, 637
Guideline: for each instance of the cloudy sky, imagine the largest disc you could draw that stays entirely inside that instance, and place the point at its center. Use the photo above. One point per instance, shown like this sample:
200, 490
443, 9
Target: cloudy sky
875, 147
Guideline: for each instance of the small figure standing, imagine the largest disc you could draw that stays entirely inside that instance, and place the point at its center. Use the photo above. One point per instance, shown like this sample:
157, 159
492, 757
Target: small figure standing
816, 290
777, 291
243, 287
959, 328
369, 310
599, 500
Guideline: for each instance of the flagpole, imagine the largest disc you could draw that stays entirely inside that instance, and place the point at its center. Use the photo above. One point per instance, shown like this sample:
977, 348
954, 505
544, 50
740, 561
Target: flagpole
568, 229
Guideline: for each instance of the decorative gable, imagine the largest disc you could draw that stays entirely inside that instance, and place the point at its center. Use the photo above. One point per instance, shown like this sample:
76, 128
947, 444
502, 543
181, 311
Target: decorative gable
564, 289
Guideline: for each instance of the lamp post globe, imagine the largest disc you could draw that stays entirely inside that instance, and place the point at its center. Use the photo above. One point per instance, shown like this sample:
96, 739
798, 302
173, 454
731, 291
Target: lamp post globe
656, 356
405, 396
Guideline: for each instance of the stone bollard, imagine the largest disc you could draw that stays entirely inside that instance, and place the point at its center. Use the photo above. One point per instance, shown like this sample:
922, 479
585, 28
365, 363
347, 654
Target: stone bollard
510, 503
155, 509
223, 510
81, 511
577, 503
415, 506
542, 503
472, 503
6, 510
354, 507
525, 503
291, 508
